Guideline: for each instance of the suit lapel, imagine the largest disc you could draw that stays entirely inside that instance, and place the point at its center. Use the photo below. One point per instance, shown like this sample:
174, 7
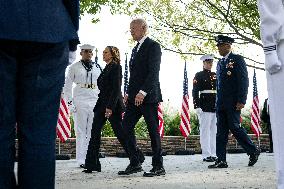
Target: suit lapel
141, 49
140, 53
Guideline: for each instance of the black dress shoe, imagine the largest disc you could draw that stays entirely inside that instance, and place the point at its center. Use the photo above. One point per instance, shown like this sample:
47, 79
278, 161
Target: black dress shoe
208, 159
218, 164
253, 158
155, 171
87, 171
82, 166
130, 169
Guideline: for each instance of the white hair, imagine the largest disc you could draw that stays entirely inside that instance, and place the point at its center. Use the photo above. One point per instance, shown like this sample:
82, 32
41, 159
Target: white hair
141, 22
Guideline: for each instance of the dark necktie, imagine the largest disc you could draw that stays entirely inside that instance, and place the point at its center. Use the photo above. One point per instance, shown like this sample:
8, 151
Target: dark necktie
133, 54
220, 67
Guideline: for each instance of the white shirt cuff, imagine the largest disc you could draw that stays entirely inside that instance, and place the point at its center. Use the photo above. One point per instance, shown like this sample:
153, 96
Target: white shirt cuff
143, 93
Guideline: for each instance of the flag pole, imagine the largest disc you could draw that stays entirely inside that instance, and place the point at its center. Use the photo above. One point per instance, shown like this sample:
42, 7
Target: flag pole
96, 57
59, 150
184, 143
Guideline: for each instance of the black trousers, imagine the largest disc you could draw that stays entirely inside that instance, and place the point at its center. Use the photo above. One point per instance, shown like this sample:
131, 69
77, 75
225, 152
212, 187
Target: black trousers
229, 119
31, 81
92, 157
131, 117
270, 136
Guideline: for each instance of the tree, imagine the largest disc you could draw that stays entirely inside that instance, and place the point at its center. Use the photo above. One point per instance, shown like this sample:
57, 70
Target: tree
94, 6
189, 27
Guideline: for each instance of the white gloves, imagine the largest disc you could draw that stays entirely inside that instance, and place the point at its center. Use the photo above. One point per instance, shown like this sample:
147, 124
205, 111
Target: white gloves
198, 111
72, 56
272, 62
71, 107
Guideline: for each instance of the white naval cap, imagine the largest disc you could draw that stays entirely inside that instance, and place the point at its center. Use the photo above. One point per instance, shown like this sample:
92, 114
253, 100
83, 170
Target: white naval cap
87, 46
207, 57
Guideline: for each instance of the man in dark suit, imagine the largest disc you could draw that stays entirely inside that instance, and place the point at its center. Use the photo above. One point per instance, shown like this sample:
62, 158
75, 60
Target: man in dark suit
232, 88
35, 39
144, 94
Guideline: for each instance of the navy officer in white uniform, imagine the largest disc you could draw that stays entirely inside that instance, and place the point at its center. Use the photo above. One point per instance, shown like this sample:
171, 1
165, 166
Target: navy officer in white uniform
272, 35
82, 98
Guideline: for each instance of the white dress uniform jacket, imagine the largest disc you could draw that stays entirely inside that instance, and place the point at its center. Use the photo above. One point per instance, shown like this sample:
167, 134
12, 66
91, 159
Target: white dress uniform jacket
272, 35
81, 101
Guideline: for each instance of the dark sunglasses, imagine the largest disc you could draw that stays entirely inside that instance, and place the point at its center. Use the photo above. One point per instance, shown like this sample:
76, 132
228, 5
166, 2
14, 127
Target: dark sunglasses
87, 51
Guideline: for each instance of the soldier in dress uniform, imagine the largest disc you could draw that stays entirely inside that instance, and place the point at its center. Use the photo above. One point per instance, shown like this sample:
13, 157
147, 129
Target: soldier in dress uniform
232, 89
82, 98
272, 35
204, 100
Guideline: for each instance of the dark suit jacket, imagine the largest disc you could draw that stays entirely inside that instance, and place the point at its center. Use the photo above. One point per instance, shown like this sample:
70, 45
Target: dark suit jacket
232, 82
144, 72
49, 21
109, 83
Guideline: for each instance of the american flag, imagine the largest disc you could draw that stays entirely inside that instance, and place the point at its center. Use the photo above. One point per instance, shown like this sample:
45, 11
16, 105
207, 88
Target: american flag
63, 124
161, 121
255, 113
185, 115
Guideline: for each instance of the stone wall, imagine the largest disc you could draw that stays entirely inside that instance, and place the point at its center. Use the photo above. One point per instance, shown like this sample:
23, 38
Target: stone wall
170, 144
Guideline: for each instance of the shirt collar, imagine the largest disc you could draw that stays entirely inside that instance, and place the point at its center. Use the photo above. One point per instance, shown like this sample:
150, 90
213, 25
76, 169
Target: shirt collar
140, 42
227, 55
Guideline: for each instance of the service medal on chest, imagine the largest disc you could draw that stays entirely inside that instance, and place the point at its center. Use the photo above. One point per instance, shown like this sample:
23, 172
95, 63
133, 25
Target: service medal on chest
229, 73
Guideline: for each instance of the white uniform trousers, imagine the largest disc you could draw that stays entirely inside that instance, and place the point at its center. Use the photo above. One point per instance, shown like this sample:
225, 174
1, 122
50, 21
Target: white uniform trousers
276, 109
208, 130
83, 119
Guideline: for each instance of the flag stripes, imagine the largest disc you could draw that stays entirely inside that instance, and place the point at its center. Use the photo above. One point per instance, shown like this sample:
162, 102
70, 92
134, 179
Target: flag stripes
63, 124
255, 112
185, 113
161, 121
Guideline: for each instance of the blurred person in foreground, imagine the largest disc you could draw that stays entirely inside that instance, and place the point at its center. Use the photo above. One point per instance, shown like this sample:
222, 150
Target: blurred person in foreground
36, 39
272, 35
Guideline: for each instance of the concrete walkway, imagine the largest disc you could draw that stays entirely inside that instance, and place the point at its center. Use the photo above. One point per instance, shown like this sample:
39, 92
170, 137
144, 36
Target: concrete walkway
182, 172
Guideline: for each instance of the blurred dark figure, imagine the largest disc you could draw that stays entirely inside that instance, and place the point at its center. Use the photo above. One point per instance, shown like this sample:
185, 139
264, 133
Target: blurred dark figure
265, 117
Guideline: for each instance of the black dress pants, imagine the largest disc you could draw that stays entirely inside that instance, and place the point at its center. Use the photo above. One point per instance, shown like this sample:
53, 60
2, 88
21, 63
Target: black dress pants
92, 157
131, 117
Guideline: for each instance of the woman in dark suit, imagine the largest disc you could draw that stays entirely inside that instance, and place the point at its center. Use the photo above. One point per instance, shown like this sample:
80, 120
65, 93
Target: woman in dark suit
109, 106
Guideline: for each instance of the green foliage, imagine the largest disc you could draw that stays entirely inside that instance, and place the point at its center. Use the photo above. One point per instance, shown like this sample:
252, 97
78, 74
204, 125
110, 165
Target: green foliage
94, 6
72, 127
107, 130
194, 123
189, 27
171, 124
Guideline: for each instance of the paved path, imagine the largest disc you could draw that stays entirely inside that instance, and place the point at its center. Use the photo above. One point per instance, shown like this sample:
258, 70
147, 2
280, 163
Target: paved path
182, 172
